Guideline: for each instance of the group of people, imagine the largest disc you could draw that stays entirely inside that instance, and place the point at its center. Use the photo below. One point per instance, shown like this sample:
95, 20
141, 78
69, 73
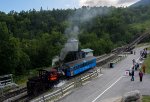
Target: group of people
143, 54
141, 71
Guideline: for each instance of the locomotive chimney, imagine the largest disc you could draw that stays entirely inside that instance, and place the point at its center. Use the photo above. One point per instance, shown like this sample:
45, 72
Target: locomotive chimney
71, 45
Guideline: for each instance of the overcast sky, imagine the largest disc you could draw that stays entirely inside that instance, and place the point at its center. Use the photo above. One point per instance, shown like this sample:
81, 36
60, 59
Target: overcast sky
18, 5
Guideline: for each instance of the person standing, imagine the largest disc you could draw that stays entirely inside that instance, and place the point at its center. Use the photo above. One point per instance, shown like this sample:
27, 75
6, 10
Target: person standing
133, 62
140, 75
132, 75
134, 52
136, 66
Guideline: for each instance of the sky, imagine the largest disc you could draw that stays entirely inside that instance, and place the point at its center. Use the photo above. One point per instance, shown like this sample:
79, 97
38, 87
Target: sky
19, 5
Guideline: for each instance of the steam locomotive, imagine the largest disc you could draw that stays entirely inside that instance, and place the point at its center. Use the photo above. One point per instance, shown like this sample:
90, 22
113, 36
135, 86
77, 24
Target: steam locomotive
74, 63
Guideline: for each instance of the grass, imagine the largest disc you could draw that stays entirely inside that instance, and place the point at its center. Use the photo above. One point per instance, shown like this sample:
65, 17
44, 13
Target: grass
143, 44
147, 63
22, 79
146, 99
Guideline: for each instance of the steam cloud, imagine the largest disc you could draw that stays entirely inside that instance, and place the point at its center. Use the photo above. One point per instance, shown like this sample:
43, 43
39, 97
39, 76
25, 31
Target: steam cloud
117, 3
80, 16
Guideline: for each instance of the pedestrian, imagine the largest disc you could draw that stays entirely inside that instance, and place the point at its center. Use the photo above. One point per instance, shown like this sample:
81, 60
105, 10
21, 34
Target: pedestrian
133, 62
140, 75
132, 74
134, 52
136, 66
141, 53
143, 68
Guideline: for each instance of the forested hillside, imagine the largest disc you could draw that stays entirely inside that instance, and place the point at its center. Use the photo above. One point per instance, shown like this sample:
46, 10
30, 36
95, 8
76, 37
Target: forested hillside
30, 39
141, 3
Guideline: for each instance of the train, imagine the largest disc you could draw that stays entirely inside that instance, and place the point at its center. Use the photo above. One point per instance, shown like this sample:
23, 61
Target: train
47, 78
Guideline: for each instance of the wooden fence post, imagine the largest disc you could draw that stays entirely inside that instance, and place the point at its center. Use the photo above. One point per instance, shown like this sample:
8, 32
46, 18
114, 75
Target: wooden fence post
62, 92
43, 99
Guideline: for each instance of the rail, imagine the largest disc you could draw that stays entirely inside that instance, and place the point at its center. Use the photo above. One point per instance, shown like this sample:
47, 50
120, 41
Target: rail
67, 89
64, 90
102, 56
14, 93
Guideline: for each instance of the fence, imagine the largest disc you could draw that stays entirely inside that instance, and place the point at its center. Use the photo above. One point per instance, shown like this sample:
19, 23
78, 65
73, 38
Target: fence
118, 59
6, 81
79, 81
68, 88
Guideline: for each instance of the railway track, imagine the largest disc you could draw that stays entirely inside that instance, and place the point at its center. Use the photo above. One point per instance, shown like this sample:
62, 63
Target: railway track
9, 95
21, 94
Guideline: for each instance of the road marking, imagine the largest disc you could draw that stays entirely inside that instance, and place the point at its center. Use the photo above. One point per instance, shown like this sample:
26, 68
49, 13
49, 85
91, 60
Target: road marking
110, 86
137, 59
107, 89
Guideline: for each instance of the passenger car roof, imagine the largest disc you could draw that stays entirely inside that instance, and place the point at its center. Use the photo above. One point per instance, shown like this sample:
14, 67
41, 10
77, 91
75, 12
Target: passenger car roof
76, 62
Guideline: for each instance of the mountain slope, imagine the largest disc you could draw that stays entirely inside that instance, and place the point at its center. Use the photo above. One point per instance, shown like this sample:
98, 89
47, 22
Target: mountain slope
141, 2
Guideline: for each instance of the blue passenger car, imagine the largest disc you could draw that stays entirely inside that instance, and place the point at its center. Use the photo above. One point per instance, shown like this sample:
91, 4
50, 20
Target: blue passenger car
80, 65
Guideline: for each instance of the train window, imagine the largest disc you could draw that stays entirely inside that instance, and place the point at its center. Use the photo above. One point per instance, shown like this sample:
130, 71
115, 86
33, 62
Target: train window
70, 69
81, 65
73, 67
84, 65
76, 67
92, 61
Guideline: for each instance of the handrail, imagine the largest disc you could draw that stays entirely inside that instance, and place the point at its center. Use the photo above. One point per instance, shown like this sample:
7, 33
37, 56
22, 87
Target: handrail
63, 90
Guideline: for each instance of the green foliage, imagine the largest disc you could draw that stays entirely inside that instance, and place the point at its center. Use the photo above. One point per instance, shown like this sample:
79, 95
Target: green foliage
30, 39
22, 79
146, 99
141, 26
147, 63
99, 45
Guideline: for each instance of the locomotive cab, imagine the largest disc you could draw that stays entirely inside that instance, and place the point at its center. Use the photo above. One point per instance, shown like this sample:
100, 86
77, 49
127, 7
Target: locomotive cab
49, 76
45, 80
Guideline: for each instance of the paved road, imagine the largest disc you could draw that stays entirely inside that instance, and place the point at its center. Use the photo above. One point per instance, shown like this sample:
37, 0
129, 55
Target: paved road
112, 83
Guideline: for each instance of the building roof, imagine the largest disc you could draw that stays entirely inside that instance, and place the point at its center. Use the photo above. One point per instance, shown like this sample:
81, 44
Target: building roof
87, 50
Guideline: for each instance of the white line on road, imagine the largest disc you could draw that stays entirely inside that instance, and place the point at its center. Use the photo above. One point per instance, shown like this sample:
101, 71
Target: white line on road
107, 89
137, 59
